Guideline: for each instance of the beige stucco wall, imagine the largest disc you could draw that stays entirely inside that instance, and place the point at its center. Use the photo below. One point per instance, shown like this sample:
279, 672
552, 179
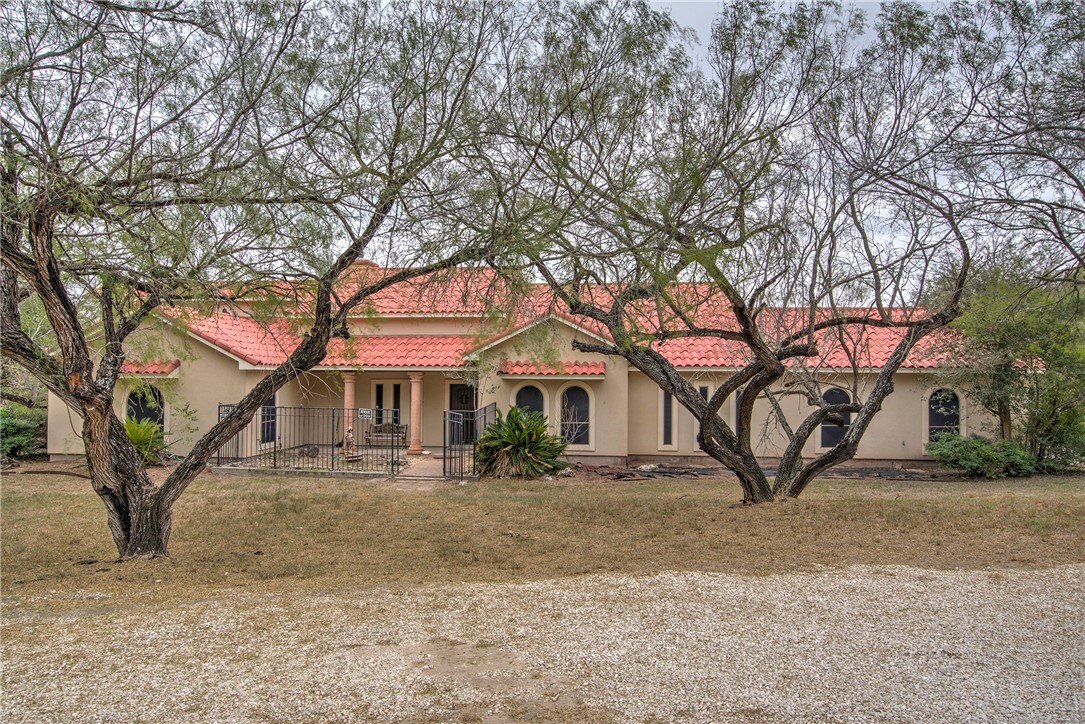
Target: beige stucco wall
608, 397
191, 396
898, 431
626, 406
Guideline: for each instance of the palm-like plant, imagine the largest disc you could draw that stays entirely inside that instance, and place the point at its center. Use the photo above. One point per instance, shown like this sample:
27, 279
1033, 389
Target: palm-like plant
519, 446
147, 438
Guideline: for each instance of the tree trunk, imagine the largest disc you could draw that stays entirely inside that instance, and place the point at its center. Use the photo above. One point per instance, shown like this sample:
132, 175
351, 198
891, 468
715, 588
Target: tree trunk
139, 523
1005, 422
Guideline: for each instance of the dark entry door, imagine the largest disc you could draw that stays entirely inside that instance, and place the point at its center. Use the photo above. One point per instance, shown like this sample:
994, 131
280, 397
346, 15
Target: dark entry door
461, 398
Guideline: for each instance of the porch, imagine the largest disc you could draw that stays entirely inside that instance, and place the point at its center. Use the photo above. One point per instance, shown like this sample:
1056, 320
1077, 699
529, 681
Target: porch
356, 439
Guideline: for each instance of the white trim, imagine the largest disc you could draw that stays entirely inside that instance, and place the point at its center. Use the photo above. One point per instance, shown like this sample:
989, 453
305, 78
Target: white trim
543, 378
379, 370
149, 375
540, 388
531, 325
592, 420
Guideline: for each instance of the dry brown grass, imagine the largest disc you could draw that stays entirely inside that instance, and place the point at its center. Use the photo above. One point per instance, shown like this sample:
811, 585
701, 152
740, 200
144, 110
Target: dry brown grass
309, 534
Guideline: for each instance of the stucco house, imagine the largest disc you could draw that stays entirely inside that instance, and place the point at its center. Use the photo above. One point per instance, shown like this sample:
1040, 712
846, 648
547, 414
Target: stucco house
423, 348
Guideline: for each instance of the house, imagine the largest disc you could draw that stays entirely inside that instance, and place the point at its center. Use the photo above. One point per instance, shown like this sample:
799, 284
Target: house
464, 341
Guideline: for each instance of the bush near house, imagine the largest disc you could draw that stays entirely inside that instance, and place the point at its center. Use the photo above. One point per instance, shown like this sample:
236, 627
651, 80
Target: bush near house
147, 438
22, 432
519, 445
979, 457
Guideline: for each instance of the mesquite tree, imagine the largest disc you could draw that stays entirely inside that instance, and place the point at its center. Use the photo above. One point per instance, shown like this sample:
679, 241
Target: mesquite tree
785, 196
163, 154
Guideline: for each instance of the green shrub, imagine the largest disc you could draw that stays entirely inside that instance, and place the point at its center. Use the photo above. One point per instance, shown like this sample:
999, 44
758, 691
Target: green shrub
980, 458
1017, 462
147, 438
519, 445
22, 432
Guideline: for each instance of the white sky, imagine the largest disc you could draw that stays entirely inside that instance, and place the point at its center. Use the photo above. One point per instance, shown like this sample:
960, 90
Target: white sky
698, 14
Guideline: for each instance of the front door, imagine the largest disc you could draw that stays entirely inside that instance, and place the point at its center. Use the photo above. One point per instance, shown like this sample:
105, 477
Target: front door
461, 398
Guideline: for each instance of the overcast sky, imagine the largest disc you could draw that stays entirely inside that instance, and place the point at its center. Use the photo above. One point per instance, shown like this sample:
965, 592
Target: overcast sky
698, 14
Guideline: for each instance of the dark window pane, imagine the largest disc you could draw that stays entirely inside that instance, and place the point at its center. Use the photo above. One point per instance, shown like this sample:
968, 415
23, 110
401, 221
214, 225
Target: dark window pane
530, 398
268, 417
943, 413
146, 404
831, 432
668, 418
574, 416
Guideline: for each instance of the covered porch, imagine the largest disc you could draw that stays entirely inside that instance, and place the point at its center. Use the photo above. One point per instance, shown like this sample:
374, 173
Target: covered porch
390, 422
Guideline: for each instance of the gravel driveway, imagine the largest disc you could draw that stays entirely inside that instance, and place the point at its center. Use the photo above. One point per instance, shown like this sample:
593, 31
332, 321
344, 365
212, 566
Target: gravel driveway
866, 643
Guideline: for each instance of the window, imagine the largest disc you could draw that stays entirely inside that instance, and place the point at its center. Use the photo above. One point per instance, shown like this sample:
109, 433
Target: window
268, 419
145, 403
705, 391
943, 414
530, 397
575, 416
668, 419
831, 432
380, 402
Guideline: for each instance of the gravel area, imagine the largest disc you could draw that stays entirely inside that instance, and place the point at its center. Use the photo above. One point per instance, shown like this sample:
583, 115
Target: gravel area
860, 644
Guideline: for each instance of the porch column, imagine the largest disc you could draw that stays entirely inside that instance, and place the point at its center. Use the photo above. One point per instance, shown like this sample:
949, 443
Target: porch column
415, 447
348, 403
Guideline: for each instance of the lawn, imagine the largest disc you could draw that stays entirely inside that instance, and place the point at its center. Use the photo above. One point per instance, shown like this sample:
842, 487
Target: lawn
334, 599
288, 533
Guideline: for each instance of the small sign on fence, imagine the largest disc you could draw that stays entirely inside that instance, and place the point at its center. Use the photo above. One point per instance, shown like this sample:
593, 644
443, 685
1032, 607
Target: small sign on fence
365, 413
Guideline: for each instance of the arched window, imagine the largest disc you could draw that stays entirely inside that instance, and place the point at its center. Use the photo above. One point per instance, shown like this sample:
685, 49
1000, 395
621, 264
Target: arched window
530, 397
831, 432
145, 403
943, 414
575, 414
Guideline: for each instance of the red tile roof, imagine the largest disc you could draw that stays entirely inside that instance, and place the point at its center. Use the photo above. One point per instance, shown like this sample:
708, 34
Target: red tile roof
566, 368
261, 344
153, 367
475, 292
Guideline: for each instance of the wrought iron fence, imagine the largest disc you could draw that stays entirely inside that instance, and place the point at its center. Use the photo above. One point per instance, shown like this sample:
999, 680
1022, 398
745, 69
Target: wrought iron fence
462, 429
317, 438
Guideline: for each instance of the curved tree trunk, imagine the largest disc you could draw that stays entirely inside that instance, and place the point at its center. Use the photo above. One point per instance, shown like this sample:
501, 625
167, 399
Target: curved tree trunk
139, 525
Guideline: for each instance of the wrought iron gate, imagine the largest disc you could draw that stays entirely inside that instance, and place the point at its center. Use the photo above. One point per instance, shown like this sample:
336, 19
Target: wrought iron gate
317, 438
462, 429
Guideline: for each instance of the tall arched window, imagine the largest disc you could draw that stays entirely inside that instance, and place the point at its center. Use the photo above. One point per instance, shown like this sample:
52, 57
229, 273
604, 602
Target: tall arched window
530, 397
145, 403
575, 414
831, 432
943, 414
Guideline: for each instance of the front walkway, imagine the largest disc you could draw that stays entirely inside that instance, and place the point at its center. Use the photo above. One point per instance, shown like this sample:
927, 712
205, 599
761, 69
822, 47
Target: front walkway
422, 467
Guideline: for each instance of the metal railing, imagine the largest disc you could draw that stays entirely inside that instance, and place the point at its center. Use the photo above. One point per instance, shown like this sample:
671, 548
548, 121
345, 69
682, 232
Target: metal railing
317, 438
462, 429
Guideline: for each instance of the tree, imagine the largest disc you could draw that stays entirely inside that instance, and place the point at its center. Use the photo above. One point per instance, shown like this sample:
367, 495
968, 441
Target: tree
1025, 158
176, 154
786, 198
1022, 358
